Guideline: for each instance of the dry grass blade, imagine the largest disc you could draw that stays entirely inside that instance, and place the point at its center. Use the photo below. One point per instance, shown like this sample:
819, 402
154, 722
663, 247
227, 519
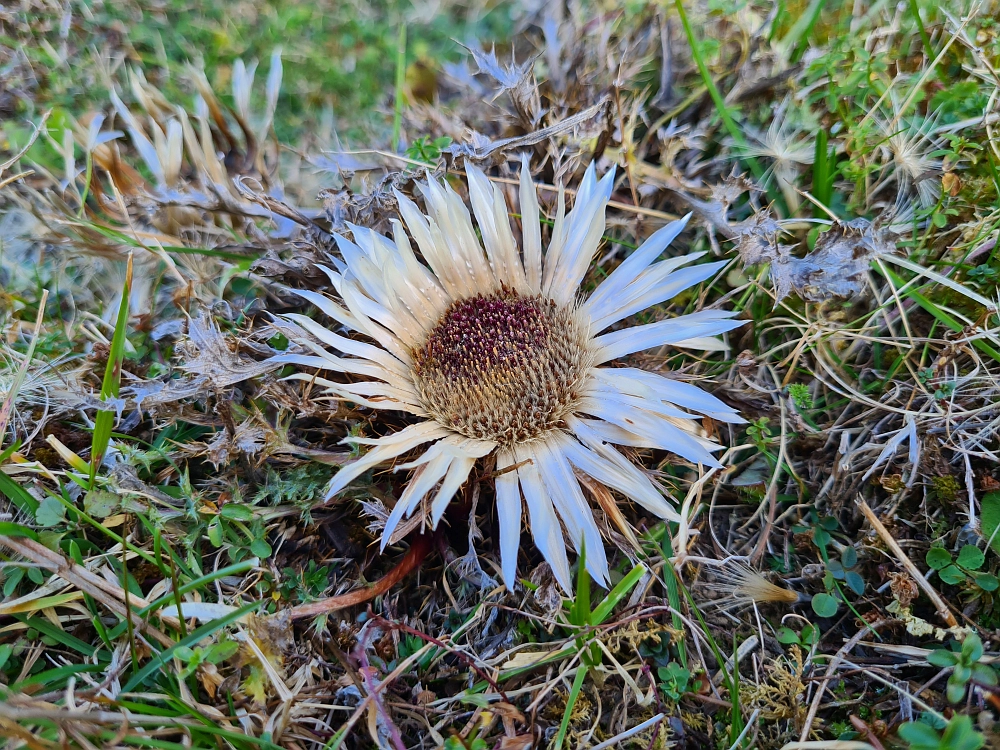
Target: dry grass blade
110, 595
11, 395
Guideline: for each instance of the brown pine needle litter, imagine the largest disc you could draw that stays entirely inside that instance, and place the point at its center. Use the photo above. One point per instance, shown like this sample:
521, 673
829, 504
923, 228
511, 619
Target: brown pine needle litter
626, 377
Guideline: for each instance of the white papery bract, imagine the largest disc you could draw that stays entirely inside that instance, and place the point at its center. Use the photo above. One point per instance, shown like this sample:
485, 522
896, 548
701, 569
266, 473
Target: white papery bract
490, 349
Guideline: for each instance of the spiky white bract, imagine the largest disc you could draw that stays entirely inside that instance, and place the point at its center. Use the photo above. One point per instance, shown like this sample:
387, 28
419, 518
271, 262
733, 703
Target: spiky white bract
489, 347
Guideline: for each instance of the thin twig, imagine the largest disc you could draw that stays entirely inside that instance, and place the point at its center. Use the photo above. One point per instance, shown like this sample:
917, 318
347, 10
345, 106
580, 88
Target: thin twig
939, 603
830, 671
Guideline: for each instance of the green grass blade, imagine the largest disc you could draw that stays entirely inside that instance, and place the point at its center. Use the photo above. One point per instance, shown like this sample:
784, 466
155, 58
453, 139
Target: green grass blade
941, 315
673, 594
17, 494
236, 738
819, 168
163, 658
57, 676
9, 451
716, 651
104, 422
736, 712
619, 592
141, 741
924, 38
177, 565
574, 693
579, 613
720, 103
397, 113
230, 570
7, 528
824, 168
801, 30
60, 636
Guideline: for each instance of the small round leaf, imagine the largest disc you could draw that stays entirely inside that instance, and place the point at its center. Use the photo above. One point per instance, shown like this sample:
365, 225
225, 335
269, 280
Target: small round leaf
856, 582
918, 734
984, 674
952, 574
849, 557
986, 581
260, 548
787, 636
236, 512
938, 558
101, 503
942, 658
971, 557
961, 673
972, 648
959, 735
215, 533
824, 605
50, 512
955, 690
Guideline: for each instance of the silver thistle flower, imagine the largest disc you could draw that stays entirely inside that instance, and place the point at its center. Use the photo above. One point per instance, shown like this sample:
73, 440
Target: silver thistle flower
494, 354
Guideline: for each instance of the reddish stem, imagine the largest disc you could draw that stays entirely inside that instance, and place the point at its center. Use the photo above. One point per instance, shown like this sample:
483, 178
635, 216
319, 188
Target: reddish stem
441, 644
862, 727
419, 548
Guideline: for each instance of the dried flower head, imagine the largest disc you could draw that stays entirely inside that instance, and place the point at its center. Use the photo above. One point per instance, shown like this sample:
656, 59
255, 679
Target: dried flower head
490, 349
786, 147
741, 586
910, 144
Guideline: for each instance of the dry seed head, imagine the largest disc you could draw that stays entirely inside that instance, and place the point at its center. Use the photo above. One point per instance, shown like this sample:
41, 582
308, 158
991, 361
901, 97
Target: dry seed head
503, 366
742, 586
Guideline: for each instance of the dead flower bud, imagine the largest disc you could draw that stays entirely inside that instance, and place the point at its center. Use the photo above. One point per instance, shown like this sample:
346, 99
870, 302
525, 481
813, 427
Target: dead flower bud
746, 360
951, 183
904, 589
892, 483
